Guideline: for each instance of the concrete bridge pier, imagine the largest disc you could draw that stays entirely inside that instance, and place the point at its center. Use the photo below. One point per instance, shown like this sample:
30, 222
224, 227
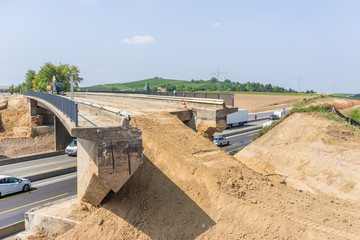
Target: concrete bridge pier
107, 158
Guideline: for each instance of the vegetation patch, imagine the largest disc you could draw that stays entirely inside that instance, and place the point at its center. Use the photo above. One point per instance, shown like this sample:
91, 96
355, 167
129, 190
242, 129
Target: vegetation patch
211, 85
321, 110
355, 115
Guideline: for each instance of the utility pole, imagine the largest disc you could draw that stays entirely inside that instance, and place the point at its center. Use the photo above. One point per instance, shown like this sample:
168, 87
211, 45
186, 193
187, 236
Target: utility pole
299, 82
217, 74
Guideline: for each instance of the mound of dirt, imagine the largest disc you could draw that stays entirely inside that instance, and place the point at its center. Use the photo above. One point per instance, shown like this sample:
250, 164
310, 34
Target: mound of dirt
15, 115
17, 103
22, 146
188, 188
311, 153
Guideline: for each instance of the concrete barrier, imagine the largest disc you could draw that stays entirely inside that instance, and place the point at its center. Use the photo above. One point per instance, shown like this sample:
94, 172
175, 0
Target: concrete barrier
198, 102
242, 131
30, 157
12, 228
20, 226
51, 174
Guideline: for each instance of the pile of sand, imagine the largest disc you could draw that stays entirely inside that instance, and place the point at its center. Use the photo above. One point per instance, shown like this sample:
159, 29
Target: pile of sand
13, 118
23, 146
314, 154
188, 188
16, 114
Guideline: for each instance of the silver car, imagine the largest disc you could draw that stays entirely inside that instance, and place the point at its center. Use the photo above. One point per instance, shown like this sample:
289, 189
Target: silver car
10, 185
220, 141
71, 150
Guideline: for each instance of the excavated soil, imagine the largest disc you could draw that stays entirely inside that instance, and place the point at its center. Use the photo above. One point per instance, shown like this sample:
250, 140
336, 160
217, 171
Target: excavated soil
312, 153
187, 188
261, 103
23, 146
16, 114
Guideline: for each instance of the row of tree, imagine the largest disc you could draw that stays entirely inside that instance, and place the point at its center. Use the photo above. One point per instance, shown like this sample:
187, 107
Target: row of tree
37, 81
227, 85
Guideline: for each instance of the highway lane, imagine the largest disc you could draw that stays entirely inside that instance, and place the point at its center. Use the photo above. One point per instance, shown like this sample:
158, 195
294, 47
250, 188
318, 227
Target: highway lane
240, 140
38, 166
14, 206
260, 115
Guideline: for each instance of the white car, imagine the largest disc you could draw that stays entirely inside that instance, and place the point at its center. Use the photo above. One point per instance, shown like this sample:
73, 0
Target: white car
10, 185
71, 150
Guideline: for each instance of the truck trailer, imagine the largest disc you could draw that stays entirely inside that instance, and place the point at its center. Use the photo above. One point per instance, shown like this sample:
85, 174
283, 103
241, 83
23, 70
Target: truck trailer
238, 118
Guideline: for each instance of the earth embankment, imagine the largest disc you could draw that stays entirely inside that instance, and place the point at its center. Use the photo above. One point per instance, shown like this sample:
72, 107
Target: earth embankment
188, 188
312, 153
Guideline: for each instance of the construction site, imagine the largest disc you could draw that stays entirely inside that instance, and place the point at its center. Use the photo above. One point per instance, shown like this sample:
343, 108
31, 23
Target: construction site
299, 180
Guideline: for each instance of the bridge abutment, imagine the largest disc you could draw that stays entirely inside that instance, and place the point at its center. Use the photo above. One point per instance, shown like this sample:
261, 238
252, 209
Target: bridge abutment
107, 158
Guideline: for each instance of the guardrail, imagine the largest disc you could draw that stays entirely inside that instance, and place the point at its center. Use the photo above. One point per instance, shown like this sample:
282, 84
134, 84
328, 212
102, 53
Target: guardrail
228, 98
65, 105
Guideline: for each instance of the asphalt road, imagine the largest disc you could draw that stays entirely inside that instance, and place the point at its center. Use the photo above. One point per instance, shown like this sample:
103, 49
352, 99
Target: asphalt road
240, 140
37, 166
260, 115
13, 207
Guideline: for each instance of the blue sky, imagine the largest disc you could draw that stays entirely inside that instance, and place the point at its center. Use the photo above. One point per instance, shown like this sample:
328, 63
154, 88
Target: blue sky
268, 41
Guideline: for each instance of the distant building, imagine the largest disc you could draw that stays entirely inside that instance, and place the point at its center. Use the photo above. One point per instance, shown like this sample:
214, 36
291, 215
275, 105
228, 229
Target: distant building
356, 95
4, 88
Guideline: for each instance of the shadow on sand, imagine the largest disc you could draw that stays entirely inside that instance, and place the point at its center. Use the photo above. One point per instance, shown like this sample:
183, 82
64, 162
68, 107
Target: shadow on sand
156, 206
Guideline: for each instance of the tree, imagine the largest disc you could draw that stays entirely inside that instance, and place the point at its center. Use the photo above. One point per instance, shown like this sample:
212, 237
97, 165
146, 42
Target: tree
213, 80
63, 73
170, 87
147, 87
11, 89
29, 78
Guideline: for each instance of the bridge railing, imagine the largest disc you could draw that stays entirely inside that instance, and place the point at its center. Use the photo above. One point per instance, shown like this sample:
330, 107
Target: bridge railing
65, 105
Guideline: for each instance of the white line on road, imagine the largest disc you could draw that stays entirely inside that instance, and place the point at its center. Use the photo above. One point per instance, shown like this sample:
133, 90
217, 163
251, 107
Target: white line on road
237, 135
54, 180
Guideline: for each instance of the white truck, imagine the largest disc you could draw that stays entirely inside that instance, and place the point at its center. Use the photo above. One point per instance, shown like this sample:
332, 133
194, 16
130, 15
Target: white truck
280, 114
238, 118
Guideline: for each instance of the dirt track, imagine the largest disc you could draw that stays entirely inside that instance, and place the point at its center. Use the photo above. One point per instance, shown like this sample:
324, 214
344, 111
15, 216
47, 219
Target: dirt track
261, 103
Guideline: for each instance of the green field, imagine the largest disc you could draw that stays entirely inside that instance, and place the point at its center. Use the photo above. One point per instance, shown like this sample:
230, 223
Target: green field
134, 86
340, 95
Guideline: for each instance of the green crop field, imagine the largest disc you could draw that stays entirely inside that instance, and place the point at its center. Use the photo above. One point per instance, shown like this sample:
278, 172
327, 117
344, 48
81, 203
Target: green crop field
341, 95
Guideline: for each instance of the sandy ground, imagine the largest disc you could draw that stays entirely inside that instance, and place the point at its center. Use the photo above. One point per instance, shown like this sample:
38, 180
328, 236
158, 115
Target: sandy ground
261, 103
23, 146
314, 154
16, 114
188, 188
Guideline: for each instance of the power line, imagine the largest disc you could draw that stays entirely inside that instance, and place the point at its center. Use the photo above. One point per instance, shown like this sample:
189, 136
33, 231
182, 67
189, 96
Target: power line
299, 82
217, 74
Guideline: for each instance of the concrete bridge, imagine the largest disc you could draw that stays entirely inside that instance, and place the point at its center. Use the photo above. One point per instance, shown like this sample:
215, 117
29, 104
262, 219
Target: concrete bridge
109, 149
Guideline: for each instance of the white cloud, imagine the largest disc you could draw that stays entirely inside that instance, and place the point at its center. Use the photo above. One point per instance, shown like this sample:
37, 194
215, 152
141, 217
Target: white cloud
137, 40
217, 24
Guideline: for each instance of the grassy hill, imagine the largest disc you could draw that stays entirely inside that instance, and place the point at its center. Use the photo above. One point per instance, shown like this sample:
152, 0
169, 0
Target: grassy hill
134, 86
194, 86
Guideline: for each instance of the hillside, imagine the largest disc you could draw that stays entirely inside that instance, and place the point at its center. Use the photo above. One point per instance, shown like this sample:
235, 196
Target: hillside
311, 153
134, 86
191, 86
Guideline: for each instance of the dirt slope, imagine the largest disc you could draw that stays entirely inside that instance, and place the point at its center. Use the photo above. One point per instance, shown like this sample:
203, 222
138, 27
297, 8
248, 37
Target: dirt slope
188, 188
314, 153
16, 114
